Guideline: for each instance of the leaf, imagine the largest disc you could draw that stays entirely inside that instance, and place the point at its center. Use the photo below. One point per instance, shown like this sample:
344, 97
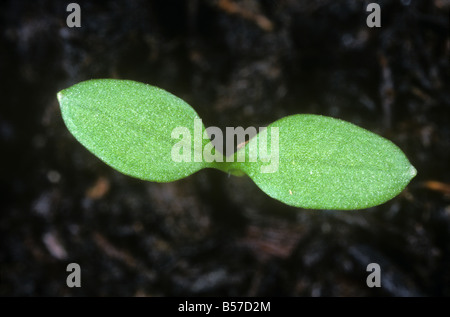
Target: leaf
327, 163
128, 125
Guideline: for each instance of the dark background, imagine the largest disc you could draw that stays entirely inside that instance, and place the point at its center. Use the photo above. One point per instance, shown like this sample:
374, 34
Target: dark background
238, 63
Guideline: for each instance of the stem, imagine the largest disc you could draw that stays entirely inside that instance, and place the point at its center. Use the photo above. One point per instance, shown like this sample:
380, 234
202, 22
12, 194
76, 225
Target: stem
228, 168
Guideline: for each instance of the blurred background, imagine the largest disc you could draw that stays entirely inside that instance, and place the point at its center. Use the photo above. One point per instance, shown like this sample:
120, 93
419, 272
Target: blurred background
238, 63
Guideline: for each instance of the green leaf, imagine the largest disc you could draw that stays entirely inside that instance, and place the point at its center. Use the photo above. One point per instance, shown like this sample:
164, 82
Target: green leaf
326, 163
128, 125
311, 161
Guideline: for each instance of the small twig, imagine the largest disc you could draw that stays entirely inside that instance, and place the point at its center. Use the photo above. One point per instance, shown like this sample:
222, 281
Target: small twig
438, 186
236, 9
99, 189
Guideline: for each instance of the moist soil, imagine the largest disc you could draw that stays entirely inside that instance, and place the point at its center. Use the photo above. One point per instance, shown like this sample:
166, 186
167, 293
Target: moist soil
238, 63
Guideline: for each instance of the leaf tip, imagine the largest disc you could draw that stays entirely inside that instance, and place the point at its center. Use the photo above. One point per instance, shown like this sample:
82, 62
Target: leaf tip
60, 96
412, 172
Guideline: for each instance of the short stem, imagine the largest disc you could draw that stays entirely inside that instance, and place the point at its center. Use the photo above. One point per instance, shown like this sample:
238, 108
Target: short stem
228, 167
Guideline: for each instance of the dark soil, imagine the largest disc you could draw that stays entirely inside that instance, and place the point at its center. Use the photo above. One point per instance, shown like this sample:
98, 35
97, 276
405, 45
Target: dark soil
238, 63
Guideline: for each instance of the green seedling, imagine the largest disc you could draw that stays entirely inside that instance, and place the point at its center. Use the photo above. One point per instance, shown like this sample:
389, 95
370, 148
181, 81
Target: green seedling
321, 162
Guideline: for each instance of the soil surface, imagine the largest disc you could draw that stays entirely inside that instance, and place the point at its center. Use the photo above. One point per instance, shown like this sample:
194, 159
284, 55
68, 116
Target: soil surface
238, 63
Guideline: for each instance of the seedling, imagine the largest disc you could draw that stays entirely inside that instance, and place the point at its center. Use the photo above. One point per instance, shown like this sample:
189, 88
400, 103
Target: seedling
322, 162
